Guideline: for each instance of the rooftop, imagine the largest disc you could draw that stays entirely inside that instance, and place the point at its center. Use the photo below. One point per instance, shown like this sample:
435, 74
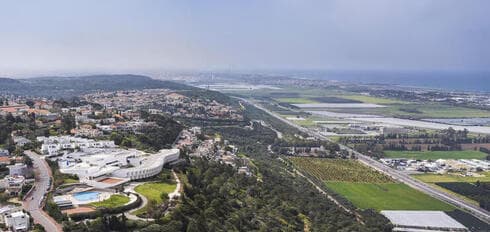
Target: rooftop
422, 219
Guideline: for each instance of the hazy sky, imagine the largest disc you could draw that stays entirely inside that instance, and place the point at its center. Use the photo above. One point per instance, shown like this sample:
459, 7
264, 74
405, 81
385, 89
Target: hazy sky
42, 37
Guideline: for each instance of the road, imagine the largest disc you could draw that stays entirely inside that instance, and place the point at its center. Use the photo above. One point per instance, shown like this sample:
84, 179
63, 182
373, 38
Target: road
400, 176
33, 201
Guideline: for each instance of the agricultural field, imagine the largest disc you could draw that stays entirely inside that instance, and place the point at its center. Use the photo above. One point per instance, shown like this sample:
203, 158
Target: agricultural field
297, 100
339, 170
386, 196
434, 155
468, 220
417, 111
372, 100
114, 201
365, 187
435, 178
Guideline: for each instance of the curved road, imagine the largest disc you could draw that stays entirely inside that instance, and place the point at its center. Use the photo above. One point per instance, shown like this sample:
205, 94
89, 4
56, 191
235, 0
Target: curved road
34, 201
402, 177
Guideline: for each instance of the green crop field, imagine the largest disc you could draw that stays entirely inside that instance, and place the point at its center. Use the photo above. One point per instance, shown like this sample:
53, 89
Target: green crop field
114, 201
417, 111
373, 100
435, 178
425, 155
339, 170
388, 196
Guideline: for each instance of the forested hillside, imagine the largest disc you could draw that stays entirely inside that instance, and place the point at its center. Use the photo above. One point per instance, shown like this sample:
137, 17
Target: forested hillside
68, 87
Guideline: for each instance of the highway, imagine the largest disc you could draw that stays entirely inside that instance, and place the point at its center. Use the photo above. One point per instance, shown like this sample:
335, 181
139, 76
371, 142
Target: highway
395, 174
34, 201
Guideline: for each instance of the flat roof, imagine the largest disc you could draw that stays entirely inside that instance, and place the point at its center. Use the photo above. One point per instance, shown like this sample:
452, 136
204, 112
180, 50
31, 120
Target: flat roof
415, 218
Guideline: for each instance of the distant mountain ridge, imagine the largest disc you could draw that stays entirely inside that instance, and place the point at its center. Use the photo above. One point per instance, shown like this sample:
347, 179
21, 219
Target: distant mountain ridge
73, 86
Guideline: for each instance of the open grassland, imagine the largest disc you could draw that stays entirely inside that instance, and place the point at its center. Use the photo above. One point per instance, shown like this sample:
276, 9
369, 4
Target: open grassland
433, 155
387, 196
114, 201
153, 191
435, 178
339, 170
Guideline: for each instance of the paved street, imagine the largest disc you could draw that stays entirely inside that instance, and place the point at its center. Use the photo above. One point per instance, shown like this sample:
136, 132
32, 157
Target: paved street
402, 177
33, 201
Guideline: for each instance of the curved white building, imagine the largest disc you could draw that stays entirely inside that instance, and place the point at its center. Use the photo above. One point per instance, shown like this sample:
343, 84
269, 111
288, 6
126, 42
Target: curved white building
93, 165
149, 165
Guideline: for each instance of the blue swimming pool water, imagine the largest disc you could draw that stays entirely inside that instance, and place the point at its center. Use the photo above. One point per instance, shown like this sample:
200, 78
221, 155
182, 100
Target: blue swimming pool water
86, 196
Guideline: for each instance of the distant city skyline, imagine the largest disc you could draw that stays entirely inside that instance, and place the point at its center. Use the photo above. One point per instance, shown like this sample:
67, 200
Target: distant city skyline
86, 37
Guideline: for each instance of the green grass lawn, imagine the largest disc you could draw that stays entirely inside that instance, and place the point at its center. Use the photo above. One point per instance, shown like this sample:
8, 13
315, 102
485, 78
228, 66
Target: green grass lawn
114, 201
434, 178
425, 155
152, 191
388, 196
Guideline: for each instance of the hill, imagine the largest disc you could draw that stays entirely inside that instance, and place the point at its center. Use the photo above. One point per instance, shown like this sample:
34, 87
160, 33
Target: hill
67, 87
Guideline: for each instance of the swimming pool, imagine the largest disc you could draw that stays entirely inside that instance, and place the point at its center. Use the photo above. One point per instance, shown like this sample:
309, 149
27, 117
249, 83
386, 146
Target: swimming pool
86, 196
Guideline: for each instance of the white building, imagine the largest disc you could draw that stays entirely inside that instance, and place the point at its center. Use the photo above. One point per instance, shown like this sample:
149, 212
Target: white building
6, 210
18, 169
53, 145
415, 220
17, 221
4, 152
95, 166
21, 141
13, 184
149, 165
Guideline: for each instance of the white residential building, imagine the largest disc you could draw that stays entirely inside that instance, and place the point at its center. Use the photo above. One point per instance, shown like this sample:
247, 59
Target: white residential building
55, 144
17, 221
13, 184
18, 169
6, 210
4, 152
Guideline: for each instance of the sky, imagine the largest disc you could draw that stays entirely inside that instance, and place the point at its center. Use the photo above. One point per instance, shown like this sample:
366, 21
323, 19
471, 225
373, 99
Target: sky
91, 36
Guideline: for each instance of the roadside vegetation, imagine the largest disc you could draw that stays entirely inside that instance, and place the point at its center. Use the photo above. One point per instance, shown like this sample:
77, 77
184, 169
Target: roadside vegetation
452, 177
478, 191
434, 155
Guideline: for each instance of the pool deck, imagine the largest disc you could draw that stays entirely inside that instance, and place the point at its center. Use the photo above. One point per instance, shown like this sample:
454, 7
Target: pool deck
102, 196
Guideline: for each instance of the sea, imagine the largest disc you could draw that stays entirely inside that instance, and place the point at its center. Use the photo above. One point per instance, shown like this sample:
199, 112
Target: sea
452, 81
